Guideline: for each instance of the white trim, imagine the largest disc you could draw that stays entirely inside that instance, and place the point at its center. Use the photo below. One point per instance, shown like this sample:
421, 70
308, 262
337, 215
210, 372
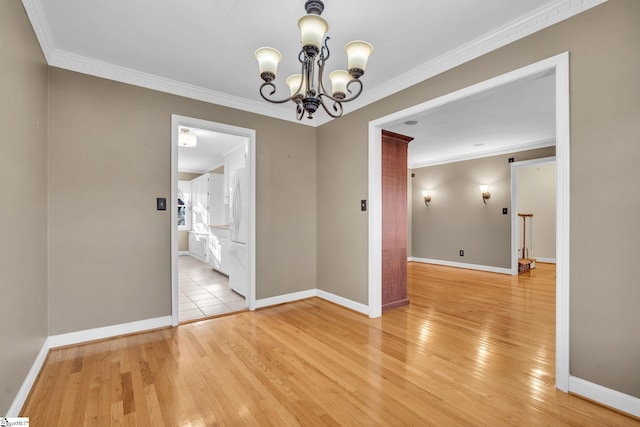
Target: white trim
515, 30
297, 296
561, 65
488, 153
183, 253
250, 134
38, 20
108, 331
563, 222
281, 299
606, 396
514, 205
30, 379
375, 220
546, 260
344, 302
488, 268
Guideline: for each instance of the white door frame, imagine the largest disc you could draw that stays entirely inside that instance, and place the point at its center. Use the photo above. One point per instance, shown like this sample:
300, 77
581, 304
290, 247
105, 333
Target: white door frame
515, 166
560, 65
176, 121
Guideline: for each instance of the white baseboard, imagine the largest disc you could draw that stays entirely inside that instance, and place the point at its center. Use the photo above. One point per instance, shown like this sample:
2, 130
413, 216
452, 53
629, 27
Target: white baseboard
547, 260
344, 302
606, 396
108, 331
183, 253
462, 265
281, 299
30, 379
296, 296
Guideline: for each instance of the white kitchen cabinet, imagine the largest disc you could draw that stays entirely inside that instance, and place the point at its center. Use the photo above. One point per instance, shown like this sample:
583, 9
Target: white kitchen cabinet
216, 199
200, 204
198, 245
233, 161
219, 249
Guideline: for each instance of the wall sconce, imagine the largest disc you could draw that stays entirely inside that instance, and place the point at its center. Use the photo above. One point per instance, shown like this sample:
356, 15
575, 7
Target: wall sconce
427, 197
485, 193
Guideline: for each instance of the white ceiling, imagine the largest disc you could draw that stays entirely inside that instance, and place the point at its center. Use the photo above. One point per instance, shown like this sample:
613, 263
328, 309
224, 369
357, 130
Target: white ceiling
204, 49
512, 117
209, 152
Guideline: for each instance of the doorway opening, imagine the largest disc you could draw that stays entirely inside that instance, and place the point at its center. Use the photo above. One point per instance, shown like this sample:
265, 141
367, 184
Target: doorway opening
559, 65
212, 217
540, 228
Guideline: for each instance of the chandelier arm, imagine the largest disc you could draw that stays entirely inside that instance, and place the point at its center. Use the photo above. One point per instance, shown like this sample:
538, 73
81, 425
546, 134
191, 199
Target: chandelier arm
299, 111
274, 101
324, 55
302, 59
337, 106
346, 99
360, 87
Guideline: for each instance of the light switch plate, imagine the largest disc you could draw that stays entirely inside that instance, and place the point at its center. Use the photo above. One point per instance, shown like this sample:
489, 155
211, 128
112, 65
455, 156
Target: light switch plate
161, 204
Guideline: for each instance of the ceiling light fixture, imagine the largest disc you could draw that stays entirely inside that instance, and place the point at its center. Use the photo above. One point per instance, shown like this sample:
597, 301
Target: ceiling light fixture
186, 139
306, 93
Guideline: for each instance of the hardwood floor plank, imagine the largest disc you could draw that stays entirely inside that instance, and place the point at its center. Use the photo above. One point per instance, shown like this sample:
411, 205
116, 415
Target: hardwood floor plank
472, 348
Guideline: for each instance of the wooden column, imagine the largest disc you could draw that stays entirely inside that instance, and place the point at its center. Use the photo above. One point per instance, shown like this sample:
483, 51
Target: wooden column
394, 220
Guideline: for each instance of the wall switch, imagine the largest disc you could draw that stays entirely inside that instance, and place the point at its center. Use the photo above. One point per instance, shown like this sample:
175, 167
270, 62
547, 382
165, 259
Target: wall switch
363, 205
505, 211
161, 204
461, 252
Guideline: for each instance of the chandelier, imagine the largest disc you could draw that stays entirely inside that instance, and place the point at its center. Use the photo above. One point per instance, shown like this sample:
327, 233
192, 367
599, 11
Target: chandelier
307, 93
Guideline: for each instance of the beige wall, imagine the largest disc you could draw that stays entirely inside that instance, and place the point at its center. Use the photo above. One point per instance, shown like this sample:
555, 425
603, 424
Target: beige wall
605, 106
183, 240
187, 176
457, 219
109, 159
537, 196
23, 212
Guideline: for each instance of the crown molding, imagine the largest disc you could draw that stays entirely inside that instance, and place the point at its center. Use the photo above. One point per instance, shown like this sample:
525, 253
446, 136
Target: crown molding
72, 62
36, 15
515, 30
529, 24
486, 153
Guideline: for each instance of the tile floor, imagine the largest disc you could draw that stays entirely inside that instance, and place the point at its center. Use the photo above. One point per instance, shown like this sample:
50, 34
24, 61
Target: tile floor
204, 292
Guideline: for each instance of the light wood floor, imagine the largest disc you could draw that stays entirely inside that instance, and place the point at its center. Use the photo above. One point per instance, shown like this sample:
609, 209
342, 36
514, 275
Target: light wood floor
472, 349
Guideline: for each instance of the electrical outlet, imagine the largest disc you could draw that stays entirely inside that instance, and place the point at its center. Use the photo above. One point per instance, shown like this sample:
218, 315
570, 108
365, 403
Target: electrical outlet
505, 211
461, 252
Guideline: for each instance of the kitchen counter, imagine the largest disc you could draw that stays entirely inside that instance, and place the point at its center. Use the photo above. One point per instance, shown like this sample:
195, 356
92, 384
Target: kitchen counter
220, 226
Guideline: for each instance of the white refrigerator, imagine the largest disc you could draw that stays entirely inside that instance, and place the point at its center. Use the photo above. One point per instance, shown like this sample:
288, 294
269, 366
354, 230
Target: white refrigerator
239, 231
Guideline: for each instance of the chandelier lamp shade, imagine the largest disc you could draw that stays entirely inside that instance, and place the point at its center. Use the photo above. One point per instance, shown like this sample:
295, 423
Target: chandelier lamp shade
307, 92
